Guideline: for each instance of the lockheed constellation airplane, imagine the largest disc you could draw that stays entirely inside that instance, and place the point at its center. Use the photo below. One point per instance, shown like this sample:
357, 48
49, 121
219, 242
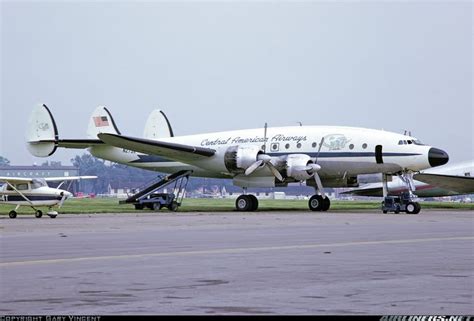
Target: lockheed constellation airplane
448, 180
323, 156
35, 192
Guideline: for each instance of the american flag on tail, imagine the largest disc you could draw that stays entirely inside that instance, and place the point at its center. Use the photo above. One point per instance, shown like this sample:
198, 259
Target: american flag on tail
101, 121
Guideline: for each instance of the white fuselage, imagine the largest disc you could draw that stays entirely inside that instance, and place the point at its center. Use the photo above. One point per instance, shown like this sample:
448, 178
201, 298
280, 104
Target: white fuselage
41, 196
346, 151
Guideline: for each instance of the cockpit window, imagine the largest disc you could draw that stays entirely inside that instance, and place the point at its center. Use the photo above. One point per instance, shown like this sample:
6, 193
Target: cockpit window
410, 142
417, 142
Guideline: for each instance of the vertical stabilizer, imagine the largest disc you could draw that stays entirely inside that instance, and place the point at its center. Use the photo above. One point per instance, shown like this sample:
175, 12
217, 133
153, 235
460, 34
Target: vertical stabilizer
101, 121
41, 133
157, 126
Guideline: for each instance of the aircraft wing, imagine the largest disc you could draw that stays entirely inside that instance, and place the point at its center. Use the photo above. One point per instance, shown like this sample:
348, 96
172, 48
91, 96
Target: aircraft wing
459, 184
367, 191
177, 152
68, 178
15, 180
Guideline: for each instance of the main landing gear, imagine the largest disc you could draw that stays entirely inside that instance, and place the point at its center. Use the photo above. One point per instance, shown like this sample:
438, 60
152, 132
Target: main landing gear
38, 213
319, 203
246, 203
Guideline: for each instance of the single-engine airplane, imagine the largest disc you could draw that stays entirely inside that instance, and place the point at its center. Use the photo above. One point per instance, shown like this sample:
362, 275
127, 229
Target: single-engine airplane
330, 156
35, 192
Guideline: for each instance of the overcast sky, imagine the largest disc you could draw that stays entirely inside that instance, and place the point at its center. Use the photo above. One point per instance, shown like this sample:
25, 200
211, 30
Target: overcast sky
223, 66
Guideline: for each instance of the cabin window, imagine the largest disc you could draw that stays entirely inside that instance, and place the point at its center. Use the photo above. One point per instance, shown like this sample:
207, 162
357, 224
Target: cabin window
364, 145
351, 146
298, 145
314, 145
22, 187
287, 146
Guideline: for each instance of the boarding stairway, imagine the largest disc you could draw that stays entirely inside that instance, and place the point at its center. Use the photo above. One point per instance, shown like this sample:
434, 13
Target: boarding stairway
148, 197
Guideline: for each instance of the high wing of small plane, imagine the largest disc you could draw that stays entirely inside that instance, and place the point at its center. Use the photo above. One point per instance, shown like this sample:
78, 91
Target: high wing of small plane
448, 180
330, 156
35, 192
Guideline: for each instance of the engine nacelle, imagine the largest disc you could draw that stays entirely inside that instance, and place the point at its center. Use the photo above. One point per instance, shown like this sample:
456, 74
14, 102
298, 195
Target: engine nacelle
295, 166
238, 158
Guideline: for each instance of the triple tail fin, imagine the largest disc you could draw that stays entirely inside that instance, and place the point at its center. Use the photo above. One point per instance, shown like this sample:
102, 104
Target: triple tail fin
42, 132
101, 121
157, 126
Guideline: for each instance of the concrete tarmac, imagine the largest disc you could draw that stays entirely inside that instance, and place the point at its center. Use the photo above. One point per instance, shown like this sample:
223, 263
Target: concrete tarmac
232, 263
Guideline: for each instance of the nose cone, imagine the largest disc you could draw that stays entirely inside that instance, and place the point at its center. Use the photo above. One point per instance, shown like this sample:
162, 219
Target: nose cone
437, 157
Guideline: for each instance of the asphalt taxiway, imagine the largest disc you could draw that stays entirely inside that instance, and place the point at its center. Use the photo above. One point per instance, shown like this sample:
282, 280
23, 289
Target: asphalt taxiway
232, 263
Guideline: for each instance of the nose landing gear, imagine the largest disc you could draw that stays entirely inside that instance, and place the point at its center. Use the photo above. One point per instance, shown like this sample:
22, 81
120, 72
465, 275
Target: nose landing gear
403, 203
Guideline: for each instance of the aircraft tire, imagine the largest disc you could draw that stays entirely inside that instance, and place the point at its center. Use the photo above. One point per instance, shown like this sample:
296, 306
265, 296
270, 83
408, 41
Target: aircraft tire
243, 203
254, 200
38, 214
12, 214
316, 203
326, 204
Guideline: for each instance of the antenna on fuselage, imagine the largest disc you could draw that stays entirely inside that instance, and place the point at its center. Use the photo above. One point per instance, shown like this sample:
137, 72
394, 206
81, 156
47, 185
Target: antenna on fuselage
265, 138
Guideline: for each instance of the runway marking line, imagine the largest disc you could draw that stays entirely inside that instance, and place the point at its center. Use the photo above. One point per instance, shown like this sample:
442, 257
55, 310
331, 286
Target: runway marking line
231, 250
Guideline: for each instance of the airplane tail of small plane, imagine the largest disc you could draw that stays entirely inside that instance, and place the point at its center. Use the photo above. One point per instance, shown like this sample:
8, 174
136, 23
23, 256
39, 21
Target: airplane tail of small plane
101, 121
157, 126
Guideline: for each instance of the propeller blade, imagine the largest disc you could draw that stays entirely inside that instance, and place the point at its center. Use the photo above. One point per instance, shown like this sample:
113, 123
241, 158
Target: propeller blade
62, 200
319, 149
275, 171
317, 179
253, 167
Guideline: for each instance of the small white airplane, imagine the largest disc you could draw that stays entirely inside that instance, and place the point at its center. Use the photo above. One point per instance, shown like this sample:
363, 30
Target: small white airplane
448, 180
35, 192
330, 156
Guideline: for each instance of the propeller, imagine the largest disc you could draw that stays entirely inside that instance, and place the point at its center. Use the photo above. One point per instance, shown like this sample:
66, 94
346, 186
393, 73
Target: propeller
314, 168
264, 160
63, 198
